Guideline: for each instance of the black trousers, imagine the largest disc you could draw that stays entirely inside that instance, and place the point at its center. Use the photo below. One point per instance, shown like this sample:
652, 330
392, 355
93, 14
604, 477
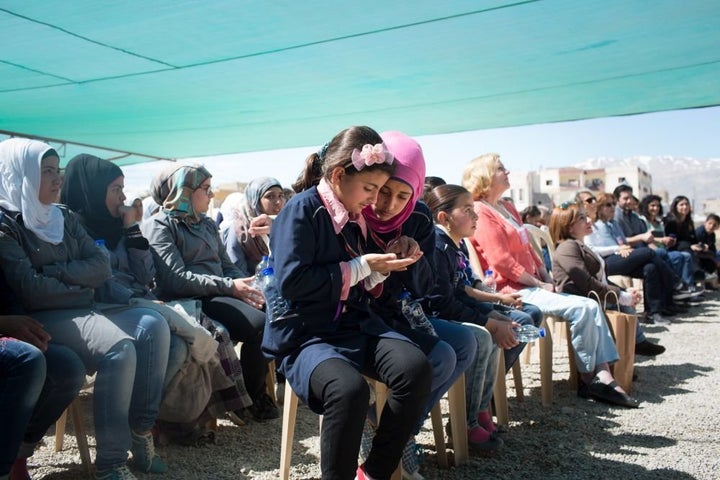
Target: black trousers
658, 277
245, 324
345, 396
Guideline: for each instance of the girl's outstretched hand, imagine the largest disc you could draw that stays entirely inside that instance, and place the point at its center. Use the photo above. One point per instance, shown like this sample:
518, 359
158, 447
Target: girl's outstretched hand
388, 262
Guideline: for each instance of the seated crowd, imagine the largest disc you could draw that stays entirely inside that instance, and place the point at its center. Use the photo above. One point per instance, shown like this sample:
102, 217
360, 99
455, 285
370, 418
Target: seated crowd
380, 272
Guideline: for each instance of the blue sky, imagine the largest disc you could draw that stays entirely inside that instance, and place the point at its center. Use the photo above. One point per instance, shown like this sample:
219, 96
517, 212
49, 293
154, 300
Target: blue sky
685, 133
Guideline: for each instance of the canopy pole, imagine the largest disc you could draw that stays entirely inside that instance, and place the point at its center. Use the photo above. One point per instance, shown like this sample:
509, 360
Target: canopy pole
124, 153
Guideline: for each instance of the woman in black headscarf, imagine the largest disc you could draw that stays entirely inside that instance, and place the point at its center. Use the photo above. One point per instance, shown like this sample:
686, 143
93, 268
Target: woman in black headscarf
93, 188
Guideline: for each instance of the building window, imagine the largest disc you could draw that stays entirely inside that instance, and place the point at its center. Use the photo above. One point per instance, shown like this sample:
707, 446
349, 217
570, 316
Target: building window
621, 179
548, 183
521, 195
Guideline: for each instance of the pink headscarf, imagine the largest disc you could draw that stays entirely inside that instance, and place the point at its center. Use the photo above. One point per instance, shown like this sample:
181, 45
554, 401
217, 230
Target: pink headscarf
410, 169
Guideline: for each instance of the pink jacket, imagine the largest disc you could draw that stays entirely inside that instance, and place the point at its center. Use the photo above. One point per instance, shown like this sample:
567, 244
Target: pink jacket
501, 247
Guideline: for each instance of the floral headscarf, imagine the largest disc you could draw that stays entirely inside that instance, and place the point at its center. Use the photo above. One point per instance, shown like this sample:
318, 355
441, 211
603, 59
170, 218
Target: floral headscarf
85, 190
20, 176
173, 189
409, 169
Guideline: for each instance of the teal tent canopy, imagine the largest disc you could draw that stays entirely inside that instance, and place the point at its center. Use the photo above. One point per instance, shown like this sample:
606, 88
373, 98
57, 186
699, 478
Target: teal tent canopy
174, 79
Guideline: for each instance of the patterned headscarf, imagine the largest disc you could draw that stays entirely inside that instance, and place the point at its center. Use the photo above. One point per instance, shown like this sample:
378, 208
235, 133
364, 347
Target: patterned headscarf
20, 177
173, 189
85, 190
409, 169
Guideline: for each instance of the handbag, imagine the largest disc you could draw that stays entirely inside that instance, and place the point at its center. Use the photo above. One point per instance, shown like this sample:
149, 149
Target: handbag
622, 327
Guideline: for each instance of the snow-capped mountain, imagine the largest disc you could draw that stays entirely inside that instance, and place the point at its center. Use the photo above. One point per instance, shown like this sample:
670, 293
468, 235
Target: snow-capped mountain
696, 178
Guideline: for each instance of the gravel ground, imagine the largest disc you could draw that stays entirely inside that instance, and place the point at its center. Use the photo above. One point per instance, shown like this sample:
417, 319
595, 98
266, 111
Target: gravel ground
674, 435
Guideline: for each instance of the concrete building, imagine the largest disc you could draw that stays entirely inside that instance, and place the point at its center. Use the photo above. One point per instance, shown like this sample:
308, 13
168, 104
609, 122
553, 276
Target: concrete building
710, 205
552, 186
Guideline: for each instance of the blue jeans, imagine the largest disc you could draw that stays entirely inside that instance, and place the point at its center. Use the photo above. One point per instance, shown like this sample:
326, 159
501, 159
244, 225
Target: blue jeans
151, 336
129, 383
529, 315
480, 375
450, 358
682, 265
34, 391
589, 332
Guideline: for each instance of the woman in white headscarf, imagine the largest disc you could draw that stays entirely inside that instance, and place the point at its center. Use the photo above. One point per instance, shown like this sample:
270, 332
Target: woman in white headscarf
53, 267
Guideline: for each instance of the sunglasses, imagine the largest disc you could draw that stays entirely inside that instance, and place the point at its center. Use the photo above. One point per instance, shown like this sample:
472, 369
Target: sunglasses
609, 204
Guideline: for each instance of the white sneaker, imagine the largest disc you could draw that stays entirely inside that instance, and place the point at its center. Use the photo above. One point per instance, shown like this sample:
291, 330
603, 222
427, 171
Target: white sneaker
696, 290
658, 319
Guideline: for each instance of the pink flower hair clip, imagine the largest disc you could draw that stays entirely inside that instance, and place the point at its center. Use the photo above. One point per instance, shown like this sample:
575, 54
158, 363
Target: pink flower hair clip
370, 155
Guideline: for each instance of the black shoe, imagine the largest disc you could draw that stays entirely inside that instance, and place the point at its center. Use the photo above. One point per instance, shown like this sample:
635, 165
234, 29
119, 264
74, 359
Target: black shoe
695, 300
239, 417
608, 394
263, 408
675, 309
648, 349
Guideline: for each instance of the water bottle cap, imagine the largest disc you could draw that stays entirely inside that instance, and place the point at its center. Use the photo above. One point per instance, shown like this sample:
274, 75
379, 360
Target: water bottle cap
541, 332
404, 295
265, 258
268, 271
100, 242
488, 272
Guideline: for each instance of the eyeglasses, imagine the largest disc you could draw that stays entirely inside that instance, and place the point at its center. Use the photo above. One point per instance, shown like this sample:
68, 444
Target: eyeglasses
590, 200
609, 204
207, 189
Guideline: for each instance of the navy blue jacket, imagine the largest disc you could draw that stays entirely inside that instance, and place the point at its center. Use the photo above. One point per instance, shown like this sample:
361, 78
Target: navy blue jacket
306, 254
418, 279
449, 300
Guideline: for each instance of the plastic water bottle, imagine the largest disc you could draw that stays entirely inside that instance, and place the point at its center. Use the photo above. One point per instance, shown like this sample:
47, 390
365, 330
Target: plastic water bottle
489, 284
528, 333
262, 265
275, 305
413, 312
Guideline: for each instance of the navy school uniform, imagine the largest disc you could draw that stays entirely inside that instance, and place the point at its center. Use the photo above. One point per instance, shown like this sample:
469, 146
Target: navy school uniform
418, 279
318, 326
450, 300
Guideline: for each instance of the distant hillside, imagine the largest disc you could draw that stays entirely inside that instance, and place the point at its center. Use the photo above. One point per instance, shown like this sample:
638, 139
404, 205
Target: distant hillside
698, 179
